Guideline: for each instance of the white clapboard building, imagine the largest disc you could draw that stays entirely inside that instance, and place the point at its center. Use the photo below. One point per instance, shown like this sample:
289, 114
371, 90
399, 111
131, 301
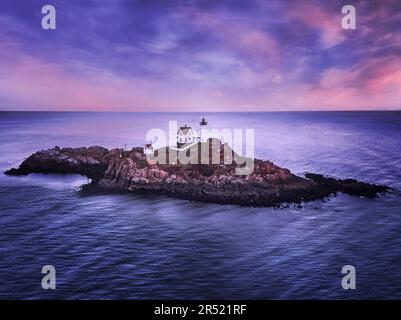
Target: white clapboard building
185, 135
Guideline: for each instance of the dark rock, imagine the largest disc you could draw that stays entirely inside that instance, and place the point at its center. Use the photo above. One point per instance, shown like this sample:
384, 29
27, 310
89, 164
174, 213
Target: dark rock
128, 171
91, 162
348, 186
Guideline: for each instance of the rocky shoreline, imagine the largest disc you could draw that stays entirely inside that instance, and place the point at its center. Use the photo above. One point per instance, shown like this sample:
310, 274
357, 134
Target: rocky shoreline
129, 171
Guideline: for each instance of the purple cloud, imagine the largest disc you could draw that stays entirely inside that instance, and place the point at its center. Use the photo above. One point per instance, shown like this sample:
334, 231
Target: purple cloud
200, 55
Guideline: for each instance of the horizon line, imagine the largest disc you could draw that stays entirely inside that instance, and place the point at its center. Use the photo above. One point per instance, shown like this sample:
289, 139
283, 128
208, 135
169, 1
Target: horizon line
234, 111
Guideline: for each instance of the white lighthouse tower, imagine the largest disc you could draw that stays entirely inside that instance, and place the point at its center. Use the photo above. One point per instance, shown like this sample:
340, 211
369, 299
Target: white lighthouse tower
203, 135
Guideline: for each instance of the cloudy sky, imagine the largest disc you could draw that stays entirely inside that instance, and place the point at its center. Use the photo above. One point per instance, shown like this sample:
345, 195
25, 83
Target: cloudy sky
200, 55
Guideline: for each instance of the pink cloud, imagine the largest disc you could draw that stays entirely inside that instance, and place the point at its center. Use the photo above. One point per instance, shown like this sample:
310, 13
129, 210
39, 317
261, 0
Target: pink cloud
237, 33
373, 76
29, 81
328, 23
36, 83
375, 83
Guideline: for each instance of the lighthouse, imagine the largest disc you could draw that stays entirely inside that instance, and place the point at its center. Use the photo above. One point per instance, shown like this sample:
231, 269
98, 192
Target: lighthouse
203, 135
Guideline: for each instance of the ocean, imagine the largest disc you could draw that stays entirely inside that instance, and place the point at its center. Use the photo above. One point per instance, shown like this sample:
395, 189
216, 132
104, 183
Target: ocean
136, 247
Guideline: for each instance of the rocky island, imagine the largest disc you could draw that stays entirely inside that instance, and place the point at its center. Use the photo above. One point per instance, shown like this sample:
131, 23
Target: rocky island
129, 171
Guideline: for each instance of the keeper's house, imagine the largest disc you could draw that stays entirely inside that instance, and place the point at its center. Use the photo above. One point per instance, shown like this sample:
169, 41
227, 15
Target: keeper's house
185, 135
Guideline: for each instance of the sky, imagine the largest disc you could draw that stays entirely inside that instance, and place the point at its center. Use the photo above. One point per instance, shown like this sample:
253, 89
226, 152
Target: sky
200, 55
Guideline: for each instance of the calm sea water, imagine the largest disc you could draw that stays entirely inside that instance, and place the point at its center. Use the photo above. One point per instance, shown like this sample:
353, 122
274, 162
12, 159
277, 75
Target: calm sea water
129, 246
